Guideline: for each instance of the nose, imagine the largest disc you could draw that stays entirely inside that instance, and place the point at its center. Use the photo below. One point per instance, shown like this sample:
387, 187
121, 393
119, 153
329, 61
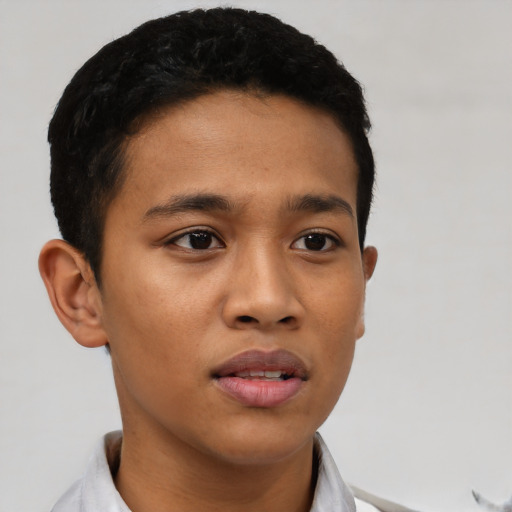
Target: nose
262, 293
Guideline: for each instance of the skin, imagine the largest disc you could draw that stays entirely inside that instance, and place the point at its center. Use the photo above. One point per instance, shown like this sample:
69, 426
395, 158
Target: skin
172, 314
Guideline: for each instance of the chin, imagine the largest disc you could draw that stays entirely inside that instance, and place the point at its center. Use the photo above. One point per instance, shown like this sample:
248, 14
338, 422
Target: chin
260, 444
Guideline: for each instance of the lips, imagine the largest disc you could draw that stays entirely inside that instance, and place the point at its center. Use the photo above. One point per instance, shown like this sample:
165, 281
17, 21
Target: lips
261, 379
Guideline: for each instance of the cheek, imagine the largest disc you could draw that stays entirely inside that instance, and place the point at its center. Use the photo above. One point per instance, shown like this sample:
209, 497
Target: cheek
338, 307
155, 292
158, 321
337, 314
154, 344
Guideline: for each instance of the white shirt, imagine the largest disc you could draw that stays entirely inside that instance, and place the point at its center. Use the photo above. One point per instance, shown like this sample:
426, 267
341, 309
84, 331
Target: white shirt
96, 492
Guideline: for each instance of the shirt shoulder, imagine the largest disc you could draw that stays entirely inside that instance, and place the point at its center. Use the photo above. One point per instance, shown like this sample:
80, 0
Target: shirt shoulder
332, 494
96, 490
364, 506
367, 502
70, 500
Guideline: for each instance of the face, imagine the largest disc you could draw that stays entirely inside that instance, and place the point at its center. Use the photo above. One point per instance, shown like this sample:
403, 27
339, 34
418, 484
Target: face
232, 279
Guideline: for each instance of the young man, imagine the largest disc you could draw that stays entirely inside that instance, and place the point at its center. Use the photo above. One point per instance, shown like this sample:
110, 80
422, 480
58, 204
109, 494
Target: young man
212, 180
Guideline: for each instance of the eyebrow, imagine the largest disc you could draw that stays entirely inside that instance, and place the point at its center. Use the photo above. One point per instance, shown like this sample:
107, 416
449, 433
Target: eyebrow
187, 203
319, 204
216, 203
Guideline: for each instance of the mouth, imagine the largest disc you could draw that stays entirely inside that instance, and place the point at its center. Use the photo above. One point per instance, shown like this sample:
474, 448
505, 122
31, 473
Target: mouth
261, 379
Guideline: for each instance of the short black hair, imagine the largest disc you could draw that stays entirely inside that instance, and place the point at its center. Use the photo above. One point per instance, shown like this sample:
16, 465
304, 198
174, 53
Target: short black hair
171, 60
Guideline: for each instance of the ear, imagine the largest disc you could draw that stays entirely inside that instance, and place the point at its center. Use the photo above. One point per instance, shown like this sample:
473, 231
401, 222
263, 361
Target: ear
369, 257
73, 292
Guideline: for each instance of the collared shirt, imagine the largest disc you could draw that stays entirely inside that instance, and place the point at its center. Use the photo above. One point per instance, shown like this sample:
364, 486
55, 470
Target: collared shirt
96, 492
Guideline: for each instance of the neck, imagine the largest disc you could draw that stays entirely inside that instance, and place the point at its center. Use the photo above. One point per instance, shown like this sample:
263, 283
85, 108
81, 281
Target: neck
166, 475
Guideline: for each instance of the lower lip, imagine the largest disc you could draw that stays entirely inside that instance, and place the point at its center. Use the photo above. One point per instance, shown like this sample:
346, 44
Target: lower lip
260, 393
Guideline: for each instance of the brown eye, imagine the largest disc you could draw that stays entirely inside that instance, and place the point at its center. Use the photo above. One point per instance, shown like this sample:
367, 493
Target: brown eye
315, 242
197, 240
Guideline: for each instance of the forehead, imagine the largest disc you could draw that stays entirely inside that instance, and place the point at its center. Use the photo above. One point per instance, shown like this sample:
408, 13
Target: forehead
241, 144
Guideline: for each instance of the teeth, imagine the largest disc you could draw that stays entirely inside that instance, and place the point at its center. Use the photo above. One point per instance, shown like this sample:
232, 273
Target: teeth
267, 374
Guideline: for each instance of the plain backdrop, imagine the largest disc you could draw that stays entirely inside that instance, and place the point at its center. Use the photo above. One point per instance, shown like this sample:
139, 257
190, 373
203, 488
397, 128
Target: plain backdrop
427, 413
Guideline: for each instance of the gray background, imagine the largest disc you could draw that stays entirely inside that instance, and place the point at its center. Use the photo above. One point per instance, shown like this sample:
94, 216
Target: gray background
427, 413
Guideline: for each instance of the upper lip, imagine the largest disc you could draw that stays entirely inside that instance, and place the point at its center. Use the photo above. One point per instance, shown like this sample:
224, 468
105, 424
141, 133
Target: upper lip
281, 359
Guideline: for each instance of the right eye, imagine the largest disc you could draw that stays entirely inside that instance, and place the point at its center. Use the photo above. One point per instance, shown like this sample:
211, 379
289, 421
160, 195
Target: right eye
317, 242
198, 240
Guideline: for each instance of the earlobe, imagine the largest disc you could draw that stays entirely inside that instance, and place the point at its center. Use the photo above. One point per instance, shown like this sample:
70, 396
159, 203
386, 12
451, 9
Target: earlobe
73, 292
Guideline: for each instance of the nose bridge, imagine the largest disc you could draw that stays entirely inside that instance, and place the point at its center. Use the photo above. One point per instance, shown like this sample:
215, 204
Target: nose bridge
262, 292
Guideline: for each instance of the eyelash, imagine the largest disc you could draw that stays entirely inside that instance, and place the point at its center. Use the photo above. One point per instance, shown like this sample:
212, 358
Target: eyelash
336, 242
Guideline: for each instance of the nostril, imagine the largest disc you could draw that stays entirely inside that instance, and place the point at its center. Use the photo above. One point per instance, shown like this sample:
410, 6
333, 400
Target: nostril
250, 321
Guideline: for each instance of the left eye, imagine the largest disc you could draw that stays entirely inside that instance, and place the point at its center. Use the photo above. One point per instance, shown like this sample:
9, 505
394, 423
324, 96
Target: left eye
197, 240
315, 242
